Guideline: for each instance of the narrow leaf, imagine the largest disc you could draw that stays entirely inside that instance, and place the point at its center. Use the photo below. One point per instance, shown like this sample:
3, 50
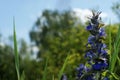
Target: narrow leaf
16, 52
116, 50
63, 68
45, 71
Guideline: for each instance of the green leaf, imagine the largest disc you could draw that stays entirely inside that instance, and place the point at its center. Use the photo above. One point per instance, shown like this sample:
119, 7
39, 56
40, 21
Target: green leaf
114, 76
23, 76
45, 71
116, 50
110, 46
118, 60
63, 68
53, 77
16, 52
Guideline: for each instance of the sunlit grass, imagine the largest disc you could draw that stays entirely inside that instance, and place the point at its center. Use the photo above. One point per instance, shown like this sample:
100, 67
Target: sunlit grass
16, 52
17, 62
114, 55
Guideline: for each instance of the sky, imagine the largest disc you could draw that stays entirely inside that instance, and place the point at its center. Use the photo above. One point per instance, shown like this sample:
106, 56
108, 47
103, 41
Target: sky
26, 12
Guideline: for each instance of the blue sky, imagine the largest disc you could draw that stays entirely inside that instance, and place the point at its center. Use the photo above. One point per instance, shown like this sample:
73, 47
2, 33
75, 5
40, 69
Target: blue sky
27, 11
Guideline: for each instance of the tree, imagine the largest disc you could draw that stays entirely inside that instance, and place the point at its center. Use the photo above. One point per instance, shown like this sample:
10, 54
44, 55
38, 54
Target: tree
58, 35
7, 66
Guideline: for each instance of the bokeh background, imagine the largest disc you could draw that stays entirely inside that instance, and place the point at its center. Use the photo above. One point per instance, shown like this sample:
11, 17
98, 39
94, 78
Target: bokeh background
50, 30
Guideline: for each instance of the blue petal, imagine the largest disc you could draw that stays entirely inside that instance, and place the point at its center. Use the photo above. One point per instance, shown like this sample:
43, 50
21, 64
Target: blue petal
97, 66
80, 68
104, 65
89, 27
104, 52
106, 78
88, 55
79, 75
90, 77
91, 39
104, 46
102, 32
64, 77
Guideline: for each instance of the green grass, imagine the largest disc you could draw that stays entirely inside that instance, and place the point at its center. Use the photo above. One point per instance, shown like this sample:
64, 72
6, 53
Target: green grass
114, 54
63, 68
17, 64
110, 46
16, 52
45, 71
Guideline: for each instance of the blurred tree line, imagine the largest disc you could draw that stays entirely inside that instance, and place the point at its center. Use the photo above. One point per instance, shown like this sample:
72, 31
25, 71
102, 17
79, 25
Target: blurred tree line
56, 35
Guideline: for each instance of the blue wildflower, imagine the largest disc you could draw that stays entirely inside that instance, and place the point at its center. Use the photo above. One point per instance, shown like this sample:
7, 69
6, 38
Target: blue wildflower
64, 77
99, 65
90, 77
102, 32
89, 27
106, 78
96, 54
80, 70
89, 55
81, 67
104, 52
91, 39
104, 46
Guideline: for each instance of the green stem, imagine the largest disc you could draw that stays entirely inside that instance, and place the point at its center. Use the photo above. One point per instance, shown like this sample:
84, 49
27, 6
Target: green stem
98, 76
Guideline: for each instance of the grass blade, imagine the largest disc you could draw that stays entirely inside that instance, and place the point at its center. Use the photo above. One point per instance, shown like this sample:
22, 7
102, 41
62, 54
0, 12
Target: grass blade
115, 76
118, 60
116, 50
16, 52
53, 77
23, 76
45, 71
110, 46
63, 68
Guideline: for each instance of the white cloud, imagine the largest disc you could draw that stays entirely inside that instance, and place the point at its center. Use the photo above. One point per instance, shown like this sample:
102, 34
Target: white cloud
84, 13
2, 44
35, 49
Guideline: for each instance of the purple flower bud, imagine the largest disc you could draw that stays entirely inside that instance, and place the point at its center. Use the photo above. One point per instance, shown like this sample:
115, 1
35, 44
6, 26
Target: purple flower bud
104, 46
106, 78
90, 77
89, 27
99, 65
102, 32
64, 77
103, 52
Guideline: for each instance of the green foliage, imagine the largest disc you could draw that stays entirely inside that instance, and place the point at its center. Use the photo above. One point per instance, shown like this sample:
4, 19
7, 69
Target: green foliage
57, 35
114, 57
17, 64
113, 37
61, 72
16, 53
45, 71
56, 42
7, 66
116, 51
61, 40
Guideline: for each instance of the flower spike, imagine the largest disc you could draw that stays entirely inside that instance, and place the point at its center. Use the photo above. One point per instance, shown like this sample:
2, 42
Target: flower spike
96, 53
